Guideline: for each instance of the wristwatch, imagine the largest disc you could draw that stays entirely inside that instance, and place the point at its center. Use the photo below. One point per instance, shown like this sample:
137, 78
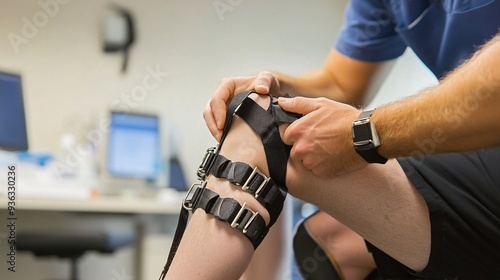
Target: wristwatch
365, 138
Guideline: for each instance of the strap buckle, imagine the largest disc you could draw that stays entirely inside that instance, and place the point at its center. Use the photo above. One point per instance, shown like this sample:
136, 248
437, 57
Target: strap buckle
254, 173
206, 163
190, 199
236, 222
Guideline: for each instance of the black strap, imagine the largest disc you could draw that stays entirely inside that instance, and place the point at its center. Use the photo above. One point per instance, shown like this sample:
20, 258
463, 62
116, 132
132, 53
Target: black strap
242, 218
183, 215
266, 128
231, 110
187, 205
179, 232
276, 154
266, 124
251, 180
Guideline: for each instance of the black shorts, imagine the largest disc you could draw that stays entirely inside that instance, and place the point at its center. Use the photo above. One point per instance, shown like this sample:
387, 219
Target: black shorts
462, 191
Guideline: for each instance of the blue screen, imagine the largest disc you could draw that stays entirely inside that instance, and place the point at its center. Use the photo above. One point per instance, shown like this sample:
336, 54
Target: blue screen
134, 145
13, 136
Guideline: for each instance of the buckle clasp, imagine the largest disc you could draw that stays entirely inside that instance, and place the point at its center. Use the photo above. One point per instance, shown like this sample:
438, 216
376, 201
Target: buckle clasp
206, 163
236, 222
255, 172
189, 200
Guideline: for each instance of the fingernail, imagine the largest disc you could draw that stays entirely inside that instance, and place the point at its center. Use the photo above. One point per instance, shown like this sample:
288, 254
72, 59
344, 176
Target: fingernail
283, 99
262, 86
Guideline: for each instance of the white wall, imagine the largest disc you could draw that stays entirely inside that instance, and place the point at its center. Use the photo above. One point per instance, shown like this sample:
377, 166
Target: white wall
409, 76
70, 83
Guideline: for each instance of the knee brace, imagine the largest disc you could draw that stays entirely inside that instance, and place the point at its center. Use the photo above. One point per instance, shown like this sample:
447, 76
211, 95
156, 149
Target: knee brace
269, 191
313, 262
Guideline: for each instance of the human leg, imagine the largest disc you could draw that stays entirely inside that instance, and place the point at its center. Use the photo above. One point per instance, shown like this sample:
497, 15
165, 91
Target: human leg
268, 260
378, 202
344, 249
461, 191
213, 250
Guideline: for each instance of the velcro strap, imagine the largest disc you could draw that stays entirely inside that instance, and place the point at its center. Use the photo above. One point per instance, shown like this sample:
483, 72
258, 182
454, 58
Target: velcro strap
240, 217
251, 180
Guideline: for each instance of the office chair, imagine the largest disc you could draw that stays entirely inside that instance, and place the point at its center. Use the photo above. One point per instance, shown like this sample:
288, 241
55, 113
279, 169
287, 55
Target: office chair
72, 244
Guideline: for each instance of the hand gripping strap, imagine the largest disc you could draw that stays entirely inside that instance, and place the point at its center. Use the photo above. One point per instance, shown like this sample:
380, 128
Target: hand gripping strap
242, 218
266, 124
251, 180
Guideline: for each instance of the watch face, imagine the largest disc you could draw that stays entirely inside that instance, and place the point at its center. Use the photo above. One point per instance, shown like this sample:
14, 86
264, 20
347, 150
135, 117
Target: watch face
365, 139
361, 131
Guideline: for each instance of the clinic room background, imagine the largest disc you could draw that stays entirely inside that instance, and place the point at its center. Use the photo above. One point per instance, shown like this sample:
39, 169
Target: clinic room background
180, 51
70, 83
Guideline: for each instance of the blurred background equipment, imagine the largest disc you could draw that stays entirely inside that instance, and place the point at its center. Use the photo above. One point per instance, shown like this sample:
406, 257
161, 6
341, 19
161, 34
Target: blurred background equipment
13, 135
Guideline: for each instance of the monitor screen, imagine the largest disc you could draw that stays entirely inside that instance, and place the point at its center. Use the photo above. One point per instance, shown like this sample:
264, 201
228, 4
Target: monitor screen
133, 145
13, 135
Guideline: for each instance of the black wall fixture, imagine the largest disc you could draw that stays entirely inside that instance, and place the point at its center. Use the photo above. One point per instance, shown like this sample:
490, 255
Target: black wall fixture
119, 33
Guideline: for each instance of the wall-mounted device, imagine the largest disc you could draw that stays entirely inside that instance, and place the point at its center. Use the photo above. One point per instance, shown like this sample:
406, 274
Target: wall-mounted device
119, 33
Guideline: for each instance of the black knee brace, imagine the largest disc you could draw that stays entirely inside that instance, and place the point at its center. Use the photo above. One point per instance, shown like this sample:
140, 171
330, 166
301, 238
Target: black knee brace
313, 261
269, 191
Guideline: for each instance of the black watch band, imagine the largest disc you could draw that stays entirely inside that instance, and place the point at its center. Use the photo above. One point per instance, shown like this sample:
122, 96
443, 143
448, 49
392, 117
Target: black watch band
365, 139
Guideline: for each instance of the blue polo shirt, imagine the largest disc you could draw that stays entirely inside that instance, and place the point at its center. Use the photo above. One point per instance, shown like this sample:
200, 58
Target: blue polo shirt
442, 33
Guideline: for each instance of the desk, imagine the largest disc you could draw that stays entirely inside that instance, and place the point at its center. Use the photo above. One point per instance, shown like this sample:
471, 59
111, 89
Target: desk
105, 206
100, 205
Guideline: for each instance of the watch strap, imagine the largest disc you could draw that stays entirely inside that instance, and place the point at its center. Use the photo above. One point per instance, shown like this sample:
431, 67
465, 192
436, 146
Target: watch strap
365, 114
370, 154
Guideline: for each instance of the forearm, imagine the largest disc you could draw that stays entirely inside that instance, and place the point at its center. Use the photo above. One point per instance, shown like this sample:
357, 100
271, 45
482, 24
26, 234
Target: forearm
315, 83
341, 79
461, 114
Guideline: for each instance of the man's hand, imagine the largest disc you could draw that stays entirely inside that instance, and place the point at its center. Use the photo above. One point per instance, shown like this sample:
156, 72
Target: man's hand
215, 110
322, 139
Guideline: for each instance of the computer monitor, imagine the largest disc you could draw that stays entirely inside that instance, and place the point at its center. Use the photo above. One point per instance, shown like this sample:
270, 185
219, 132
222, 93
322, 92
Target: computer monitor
13, 135
134, 145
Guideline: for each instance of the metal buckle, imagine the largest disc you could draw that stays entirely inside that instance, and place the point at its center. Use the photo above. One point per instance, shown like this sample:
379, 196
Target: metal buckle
236, 223
238, 107
188, 202
206, 163
252, 175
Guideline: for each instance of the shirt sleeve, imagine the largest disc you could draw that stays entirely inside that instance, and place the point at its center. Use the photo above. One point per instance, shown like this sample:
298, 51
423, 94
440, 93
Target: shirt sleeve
368, 32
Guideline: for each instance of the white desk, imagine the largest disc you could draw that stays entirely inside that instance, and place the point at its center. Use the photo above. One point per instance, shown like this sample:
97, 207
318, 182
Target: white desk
100, 205
139, 206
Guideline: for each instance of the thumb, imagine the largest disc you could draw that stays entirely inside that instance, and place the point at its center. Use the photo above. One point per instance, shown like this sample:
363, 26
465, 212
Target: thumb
299, 105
